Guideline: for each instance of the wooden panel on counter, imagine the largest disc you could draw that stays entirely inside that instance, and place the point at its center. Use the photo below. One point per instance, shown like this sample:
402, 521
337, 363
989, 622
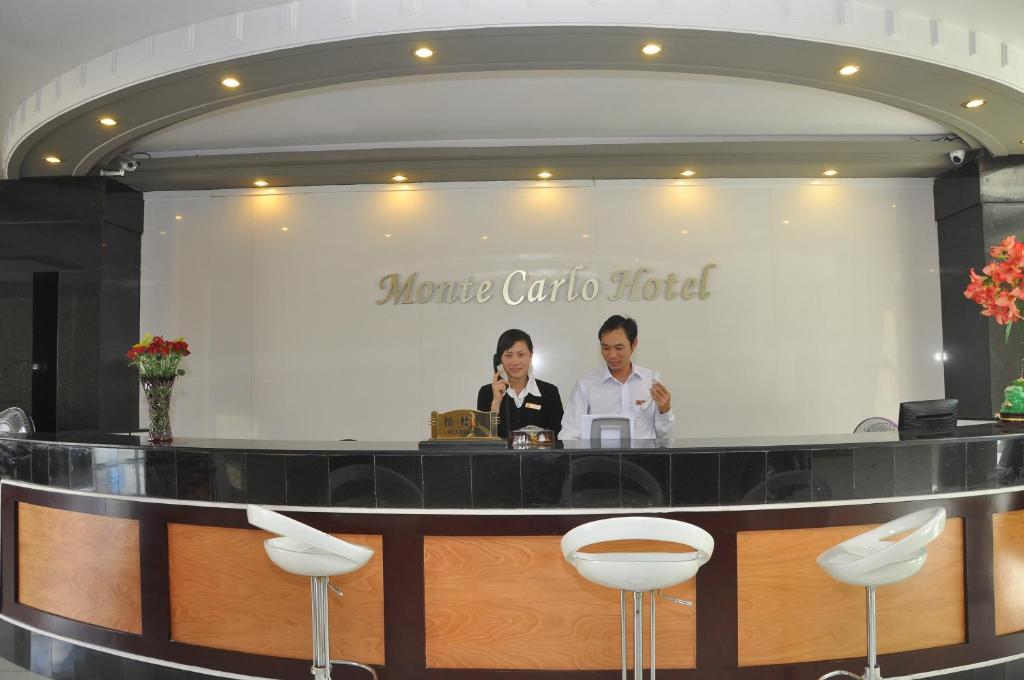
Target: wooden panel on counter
1008, 570
513, 602
227, 594
792, 611
79, 566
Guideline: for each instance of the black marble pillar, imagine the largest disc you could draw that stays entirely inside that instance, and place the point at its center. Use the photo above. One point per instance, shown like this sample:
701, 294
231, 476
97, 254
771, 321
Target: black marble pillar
69, 278
976, 207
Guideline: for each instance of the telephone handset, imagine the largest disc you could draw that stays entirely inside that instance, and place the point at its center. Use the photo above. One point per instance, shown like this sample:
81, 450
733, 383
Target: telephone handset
500, 369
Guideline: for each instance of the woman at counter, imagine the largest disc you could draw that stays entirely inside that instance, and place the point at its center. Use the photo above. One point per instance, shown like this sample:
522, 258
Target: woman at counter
514, 393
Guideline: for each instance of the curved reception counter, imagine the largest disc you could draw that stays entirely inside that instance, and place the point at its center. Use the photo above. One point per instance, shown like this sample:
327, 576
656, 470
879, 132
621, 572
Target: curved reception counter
139, 560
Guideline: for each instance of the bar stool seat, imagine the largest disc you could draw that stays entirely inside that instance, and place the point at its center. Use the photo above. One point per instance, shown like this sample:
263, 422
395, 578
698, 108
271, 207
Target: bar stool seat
302, 550
638, 572
300, 558
871, 559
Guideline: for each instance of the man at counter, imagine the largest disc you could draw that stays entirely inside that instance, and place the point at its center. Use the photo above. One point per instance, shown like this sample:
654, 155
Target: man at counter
620, 387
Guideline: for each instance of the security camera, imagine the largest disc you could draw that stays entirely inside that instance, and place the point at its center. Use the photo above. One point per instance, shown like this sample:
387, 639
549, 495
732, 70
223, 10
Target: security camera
131, 164
957, 157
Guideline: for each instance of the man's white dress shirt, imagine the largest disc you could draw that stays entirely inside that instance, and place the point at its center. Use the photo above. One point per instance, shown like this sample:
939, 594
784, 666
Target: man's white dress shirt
598, 392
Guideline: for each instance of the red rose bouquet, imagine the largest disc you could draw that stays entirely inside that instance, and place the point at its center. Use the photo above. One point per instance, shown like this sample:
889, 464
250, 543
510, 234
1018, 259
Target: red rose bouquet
158, 358
1000, 291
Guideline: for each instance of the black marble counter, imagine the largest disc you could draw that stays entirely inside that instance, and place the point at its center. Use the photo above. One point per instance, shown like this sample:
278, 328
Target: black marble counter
676, 473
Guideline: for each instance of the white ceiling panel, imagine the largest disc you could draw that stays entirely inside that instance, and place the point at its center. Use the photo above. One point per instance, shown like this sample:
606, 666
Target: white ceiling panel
535, 107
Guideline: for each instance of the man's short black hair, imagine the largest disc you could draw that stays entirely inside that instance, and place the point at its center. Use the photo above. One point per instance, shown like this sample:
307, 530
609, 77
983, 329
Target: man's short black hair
616, 321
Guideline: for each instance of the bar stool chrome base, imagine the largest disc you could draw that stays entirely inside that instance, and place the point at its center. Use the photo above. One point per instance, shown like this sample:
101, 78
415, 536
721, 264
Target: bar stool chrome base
871, 671
322, 660
638, 630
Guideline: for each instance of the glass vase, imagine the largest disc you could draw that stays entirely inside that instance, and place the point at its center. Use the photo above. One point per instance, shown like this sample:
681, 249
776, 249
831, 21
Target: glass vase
158, 397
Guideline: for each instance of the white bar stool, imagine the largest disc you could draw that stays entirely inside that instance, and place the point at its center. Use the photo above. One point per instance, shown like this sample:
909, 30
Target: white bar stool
870, 560
638, 572
303, 550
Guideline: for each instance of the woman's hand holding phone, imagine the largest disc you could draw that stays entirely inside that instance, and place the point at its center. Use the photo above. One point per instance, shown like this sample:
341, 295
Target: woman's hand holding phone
499, 384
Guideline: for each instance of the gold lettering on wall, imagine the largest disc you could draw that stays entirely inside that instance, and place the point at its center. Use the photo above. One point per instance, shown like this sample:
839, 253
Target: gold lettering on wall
519, 286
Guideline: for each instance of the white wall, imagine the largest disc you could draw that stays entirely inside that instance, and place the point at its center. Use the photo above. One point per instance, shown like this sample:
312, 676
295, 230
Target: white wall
824, 305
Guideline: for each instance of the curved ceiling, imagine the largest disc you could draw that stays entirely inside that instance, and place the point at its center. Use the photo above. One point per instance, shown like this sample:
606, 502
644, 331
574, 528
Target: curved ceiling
304, 60
534, 108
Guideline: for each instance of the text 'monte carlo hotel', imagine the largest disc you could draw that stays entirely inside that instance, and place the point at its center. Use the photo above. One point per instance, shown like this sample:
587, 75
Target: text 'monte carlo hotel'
747, 275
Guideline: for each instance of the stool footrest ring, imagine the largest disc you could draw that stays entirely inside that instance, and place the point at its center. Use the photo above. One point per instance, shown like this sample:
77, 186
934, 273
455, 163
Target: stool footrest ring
345, 662
840, 674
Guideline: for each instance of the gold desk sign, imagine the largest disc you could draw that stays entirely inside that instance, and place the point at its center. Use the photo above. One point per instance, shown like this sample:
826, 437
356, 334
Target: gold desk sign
464, 424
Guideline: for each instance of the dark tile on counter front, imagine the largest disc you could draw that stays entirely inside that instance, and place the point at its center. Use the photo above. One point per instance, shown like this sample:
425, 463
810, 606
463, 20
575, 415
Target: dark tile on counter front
694, 478
1010, 462
788, 477
59, 467
136, 670
80, 474
105, 477
496, 479
949, 468
227, 478
546, 481
265, 478
914, 469
352, 481
873, 472
62, 659
40, 465
193, 475
161, 474
308, 479
446, 482
23, 469
832, 474
399, 481
111, 666
980, 465
596, 480
742, 477
646, 480
131, 471
40, 655
87, 665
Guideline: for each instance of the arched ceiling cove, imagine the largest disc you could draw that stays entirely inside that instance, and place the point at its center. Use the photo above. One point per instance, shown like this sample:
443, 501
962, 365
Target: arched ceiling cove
317, 94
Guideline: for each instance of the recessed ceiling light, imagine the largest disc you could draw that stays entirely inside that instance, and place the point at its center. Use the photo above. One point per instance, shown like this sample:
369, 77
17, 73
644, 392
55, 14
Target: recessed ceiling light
52, 160
108, 121
830, 173
688, 173
261, 183
178, 217
973, 103
684, 232
848, 70
399, 178
163, 233
893, 205
483, 238
785, 221
544, 174
231, 82
423, 52
650, 49
586, 236
284, 228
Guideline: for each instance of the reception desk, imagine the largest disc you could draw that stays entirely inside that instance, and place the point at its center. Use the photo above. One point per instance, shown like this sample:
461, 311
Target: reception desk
112, 548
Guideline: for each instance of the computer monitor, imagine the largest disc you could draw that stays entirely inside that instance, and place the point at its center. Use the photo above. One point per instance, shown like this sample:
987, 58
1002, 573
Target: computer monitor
928, 418
606, 429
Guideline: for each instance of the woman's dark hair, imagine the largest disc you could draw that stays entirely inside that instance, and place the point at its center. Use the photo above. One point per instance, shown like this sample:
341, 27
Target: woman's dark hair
511, 337
617, 321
